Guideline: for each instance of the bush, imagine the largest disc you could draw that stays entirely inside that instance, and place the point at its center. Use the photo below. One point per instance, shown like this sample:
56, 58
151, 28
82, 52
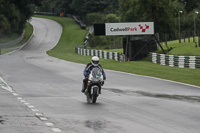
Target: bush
103, 42
112, 18
97, 41
4, 25
93, 18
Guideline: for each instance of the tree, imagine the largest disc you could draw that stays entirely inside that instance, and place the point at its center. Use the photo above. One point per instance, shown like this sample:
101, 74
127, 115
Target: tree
93, 18
64, 6
112, 18
190, 5
25, 9
84, 7
160, 12
47, 6
4, 25
15, 13
78, 7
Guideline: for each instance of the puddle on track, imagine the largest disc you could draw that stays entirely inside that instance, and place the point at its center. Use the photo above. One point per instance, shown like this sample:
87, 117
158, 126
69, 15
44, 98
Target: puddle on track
1, 120
96, 125
157, 95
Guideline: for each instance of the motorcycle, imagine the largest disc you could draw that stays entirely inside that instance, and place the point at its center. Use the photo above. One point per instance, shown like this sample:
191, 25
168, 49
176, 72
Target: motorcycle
95, 81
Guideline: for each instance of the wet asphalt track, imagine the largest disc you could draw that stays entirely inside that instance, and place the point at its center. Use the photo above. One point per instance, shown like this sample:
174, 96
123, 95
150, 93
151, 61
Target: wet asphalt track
44, 95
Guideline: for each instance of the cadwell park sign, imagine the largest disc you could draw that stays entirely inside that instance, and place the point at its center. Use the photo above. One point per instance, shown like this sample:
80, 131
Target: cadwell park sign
131, 28
137, 28
132, 49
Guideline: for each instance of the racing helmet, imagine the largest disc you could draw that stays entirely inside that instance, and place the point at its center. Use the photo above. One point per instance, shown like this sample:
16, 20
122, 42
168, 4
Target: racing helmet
95, 61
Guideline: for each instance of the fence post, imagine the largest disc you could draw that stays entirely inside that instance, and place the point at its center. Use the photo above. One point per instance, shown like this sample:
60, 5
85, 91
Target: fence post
184, 36
189, 37
199, 39
193, 37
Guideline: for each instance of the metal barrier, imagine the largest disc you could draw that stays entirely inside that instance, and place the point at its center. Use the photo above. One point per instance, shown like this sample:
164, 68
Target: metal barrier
8, 44
79, 22
47, 13
179, 61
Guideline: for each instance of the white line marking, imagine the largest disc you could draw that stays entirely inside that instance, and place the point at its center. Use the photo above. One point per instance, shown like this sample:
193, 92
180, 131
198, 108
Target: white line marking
27, 104
35, 110
56, 130
39, 114
19, 98
15, 94
23, 101
43, 118
49, 124
5, 86
31, 106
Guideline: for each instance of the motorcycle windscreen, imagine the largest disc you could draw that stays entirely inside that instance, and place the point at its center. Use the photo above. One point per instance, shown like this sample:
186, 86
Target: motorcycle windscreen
96, 72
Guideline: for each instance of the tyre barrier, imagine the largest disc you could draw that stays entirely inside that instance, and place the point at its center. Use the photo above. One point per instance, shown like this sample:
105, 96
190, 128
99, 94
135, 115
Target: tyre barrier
101, 54
173, 60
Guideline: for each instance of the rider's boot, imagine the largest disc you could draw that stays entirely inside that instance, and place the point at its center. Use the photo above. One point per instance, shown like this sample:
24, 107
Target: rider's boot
100, 91
83, 88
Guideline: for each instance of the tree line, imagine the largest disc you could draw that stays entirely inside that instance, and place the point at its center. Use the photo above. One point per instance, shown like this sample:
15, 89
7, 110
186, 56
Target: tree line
164, 13
14, 14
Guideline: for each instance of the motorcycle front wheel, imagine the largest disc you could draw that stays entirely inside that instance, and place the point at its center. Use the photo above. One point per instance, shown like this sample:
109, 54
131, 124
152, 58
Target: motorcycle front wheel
94, 95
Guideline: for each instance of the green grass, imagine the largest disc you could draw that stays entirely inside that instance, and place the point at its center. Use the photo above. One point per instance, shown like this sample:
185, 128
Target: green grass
73, 35
114, 50
27, 35
184, 48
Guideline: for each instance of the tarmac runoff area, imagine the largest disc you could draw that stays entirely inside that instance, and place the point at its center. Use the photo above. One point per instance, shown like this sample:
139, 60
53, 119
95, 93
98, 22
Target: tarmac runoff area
24, 116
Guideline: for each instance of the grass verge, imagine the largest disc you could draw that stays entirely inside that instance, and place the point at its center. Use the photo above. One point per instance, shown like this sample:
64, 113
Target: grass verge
72, 35
184, 48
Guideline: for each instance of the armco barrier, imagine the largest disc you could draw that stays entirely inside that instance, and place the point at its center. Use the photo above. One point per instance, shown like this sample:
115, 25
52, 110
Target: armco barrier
101, 54
179, 61
8, 44
79, 22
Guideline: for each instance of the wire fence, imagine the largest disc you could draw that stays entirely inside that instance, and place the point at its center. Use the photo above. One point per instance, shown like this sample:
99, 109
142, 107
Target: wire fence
184, 37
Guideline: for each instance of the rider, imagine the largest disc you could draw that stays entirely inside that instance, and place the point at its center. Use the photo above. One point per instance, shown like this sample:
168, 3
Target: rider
94, 63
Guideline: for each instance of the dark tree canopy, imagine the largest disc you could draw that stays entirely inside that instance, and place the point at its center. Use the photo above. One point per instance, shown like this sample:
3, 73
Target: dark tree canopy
15, 13
164, 13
